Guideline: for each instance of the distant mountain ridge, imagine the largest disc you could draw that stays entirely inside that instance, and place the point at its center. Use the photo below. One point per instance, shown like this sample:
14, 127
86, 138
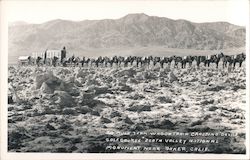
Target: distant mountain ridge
130, 31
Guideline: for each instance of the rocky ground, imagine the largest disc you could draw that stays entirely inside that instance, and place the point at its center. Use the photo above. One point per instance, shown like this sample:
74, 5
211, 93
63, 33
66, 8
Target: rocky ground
73, 109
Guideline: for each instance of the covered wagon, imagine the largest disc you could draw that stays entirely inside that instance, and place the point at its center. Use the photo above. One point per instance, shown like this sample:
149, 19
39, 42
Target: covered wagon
24, 60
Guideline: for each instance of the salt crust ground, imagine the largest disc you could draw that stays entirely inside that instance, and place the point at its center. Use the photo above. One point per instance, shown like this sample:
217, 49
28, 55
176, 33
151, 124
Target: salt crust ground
71, 109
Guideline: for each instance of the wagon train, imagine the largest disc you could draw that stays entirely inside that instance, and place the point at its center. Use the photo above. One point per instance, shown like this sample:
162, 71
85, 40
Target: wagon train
59, 58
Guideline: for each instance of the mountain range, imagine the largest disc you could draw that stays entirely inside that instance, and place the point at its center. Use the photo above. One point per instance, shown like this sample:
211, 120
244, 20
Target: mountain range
130, 32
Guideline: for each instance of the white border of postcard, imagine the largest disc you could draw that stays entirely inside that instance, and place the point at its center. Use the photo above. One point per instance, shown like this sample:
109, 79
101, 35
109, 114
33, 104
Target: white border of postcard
75, 156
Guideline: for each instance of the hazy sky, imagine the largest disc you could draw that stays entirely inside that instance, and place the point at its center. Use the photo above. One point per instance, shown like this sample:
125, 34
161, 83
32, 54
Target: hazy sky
233, 11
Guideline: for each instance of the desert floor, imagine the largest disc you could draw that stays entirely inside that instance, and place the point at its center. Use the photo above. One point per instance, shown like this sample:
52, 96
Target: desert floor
73, 109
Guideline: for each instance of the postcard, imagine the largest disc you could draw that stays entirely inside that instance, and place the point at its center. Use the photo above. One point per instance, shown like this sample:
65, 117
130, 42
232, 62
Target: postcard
125, 79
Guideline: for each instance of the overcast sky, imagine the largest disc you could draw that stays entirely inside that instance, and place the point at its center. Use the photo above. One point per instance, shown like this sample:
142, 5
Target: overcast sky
233, 11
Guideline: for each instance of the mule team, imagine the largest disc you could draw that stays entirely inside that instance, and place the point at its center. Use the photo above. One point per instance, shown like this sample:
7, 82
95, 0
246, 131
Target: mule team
227, 60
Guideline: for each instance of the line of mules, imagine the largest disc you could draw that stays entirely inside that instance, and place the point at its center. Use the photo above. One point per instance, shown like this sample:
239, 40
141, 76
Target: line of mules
227, 60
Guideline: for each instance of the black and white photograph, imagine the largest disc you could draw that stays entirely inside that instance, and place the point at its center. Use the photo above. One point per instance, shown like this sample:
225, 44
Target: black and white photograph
126, 77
